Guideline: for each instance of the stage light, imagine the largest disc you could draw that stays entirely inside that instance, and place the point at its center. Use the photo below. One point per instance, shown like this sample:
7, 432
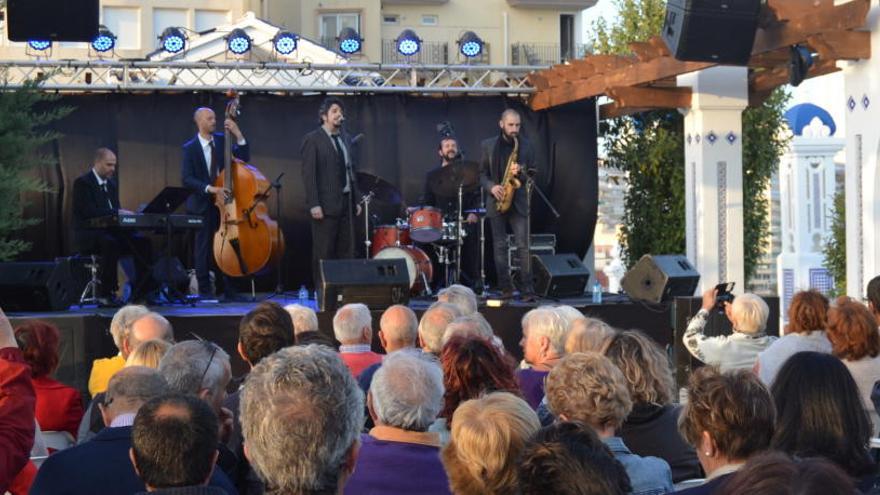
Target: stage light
470, 45
104, 41
349, 41
40, 45
238, 42
173, 40
408, 43
285, 42
800, 61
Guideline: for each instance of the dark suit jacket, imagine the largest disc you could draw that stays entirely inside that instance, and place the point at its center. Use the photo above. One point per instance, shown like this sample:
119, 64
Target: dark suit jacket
491, 174
100, 465
195, 171
322, 178
89, 201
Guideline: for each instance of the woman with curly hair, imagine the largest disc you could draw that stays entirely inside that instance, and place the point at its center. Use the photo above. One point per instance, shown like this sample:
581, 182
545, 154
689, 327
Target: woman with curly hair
651, 429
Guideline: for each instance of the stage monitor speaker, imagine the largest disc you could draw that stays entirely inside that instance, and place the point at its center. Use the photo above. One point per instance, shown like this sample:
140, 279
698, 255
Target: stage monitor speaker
660, 278
721, 31
378, 283
37, 286
559, 275
54, 20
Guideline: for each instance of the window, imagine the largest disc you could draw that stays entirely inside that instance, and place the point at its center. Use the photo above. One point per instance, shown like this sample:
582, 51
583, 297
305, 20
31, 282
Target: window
165, 18
430, 20
390, 19
209, 19
331, 24
125, 23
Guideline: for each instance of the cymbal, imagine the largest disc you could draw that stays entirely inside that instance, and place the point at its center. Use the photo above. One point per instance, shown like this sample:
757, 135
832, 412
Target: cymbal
382, 189
445, 182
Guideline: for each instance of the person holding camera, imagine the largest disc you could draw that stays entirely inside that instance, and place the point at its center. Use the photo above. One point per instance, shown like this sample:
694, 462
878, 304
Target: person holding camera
748, 315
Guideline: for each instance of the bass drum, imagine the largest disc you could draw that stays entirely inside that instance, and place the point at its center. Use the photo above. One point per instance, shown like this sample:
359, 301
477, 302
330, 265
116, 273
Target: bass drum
418, 264
389, 236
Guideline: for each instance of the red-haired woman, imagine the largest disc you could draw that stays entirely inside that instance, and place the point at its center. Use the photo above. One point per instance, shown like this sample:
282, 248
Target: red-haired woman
59, 407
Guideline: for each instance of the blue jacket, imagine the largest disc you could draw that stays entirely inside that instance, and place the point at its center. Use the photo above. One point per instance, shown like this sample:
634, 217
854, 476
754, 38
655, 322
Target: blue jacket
101, 465
195, 174
647, 475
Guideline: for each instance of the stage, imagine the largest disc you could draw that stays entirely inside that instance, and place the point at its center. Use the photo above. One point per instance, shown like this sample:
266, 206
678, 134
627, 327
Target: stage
85, 332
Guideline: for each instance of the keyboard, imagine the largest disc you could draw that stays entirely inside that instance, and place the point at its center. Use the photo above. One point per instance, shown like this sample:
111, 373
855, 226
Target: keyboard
145, 221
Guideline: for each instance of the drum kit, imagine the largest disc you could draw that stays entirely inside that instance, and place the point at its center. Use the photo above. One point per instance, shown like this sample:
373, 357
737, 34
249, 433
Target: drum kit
423, 225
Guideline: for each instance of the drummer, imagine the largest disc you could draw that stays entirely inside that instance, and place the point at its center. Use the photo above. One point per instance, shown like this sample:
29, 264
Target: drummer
439, 197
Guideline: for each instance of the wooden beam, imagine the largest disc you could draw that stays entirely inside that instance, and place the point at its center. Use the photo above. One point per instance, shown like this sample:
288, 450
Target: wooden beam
850, 15
842, 45
611, 111
790, 9
767, 80
651, 97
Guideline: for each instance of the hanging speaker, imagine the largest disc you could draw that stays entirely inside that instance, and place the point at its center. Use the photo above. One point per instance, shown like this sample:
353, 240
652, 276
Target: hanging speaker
52, 20
721, 31
660, 278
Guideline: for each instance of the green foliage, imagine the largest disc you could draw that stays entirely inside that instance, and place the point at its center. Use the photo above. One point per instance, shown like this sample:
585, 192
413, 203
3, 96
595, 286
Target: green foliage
637, 20
24, 115
835, 246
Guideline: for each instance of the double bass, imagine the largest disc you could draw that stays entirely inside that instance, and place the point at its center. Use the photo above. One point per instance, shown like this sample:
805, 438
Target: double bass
248, 241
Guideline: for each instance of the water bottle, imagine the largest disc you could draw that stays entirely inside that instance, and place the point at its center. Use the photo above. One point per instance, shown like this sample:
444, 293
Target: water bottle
597, 293
303, 295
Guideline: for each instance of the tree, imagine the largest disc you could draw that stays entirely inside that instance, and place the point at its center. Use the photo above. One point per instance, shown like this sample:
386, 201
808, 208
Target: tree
835, 245
24, 115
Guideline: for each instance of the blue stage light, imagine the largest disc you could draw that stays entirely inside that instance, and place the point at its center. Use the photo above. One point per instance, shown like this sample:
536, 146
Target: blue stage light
104, 41
408, 43
470, 45
238, 42
40, 45
349, 41
285, 42
173, 40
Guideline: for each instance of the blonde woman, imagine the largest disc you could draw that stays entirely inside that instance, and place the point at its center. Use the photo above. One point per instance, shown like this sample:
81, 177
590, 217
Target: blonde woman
148, 353
588, 334
487, 436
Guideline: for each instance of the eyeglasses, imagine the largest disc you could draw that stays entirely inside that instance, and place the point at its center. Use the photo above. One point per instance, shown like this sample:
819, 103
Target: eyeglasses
213, 348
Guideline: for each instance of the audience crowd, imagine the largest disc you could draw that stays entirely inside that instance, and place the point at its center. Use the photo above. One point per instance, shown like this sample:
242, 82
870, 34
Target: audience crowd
439, 405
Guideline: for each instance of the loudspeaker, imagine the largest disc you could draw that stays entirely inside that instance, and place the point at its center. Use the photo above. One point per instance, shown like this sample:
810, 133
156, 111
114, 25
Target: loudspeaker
660, 278
55, 20
559, 275
721, 31
37, 286
378, 283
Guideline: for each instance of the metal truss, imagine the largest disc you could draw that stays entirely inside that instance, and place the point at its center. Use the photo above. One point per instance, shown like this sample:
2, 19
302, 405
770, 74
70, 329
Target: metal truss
121, 76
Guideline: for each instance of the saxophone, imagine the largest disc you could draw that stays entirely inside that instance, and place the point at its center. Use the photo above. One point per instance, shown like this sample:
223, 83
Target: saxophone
510, 183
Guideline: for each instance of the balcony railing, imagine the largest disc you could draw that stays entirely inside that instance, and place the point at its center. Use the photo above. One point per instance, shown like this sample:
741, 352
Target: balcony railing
544, 53
431, 52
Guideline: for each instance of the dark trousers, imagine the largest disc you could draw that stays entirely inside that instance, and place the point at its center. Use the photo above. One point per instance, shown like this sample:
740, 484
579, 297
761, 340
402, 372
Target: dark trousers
203, 254
518, 225
111, 245
331, 239
470, 259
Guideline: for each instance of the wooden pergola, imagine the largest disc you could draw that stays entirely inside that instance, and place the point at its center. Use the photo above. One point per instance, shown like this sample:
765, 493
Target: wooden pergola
646, 79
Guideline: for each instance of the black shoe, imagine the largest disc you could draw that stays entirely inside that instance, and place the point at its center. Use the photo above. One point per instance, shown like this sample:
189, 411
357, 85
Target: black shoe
109, 302
507, 294
528, 297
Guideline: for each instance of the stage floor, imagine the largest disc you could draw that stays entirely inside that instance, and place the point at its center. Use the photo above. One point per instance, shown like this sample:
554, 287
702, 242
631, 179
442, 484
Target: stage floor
85, 332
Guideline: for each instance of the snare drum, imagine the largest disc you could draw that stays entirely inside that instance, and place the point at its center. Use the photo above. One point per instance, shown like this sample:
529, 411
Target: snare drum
426, 224
389, 235
417, 264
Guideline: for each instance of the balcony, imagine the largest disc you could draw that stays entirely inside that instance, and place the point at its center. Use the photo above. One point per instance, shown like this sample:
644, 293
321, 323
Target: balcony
431, 52
414, 2
552, 4
544, 53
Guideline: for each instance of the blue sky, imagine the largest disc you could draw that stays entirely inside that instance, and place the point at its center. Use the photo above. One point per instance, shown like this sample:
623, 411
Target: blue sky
603, 8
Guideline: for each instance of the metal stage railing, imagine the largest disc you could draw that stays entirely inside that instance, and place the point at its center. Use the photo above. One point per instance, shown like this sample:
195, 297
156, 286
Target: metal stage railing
130, 76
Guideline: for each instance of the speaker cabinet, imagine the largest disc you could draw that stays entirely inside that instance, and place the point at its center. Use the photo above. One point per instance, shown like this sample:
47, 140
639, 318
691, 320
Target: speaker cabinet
55, 20
378, 283
660, 278
37, 286
721, 31
559, 275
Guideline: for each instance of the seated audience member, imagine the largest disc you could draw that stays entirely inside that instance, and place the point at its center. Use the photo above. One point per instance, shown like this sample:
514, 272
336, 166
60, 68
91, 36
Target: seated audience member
587, 335
174, 445
301, 415
472, 325
588, 388
543, 344
353, 327
472, 367
320, 338
569, 315
460, 296
487, 436
728, 418
398, 330
807, 318
651, 428
304, 319
774, 473
59, 407
852, 331
17, 404
873, 296
102, 465
569, 459
748, 315
148, 353
819, 413
120, 329
399, 455
433, 324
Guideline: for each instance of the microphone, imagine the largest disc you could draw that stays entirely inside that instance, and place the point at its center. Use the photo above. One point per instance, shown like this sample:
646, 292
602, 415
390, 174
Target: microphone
531, 172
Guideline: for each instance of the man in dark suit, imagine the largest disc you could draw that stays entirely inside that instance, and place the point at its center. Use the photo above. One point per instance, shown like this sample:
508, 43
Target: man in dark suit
331, 190
96, 194
495, 154
203, 161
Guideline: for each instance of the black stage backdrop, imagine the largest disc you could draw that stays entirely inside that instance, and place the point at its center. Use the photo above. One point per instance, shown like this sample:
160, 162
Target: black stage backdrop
399, 144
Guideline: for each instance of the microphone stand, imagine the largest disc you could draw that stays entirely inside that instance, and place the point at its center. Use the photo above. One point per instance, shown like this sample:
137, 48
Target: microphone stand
531, 185
279, 215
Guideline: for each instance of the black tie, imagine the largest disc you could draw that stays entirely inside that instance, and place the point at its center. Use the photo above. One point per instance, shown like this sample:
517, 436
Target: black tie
340, 159
107, 194
214, 167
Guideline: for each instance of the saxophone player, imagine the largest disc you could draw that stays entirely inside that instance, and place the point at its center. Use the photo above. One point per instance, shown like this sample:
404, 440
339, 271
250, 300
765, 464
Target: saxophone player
504, 157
